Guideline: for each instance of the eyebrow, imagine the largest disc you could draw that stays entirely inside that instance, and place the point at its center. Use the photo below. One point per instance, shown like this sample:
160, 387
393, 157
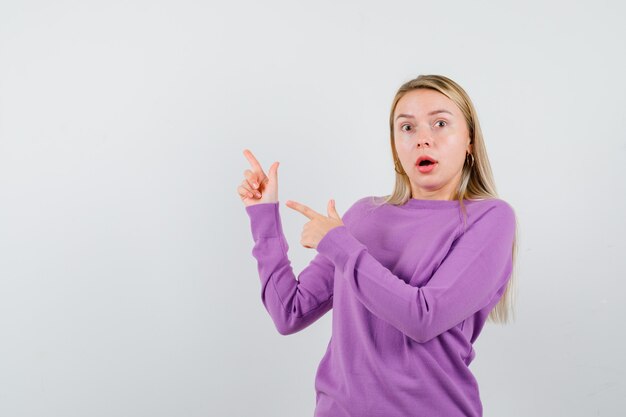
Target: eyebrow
430, 114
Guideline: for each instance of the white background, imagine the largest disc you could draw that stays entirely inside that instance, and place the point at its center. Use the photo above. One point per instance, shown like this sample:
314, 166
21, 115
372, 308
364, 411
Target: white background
127, 284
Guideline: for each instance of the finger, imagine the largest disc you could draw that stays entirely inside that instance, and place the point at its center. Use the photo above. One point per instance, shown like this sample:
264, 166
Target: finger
329, 208
243, 193
252, 178
253, 162
246, 186
307, 211
332, 210
273, 174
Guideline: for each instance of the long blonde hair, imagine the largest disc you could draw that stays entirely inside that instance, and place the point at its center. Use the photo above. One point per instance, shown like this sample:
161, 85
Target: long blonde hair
476, 179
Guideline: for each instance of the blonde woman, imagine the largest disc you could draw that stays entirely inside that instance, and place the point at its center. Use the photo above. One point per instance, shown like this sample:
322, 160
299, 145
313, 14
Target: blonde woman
411, 277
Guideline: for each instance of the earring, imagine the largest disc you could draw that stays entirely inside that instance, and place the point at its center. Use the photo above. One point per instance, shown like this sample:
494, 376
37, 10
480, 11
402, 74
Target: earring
396, 166
472, 163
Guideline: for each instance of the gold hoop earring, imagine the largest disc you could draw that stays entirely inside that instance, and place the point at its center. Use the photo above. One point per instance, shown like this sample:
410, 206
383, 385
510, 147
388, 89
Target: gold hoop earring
473, 161
396, 166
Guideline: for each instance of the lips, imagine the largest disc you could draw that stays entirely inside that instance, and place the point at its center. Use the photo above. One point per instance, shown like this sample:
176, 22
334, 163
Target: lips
425, 160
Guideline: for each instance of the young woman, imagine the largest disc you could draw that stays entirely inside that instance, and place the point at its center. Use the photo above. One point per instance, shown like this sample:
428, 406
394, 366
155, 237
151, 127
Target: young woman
411, 277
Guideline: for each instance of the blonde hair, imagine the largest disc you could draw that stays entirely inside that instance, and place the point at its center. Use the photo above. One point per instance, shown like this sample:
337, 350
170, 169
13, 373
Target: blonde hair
476, 179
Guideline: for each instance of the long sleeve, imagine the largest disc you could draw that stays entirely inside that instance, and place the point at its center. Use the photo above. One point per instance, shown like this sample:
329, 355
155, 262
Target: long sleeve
469, 277
292, 304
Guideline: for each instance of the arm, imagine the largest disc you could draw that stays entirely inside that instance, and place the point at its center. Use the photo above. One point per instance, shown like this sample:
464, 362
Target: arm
477, 266
292, 304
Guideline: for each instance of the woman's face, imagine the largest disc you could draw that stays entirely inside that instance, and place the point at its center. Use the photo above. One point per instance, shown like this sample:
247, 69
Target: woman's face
420, 129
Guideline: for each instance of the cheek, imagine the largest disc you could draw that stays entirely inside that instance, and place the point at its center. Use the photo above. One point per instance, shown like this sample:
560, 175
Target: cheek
403, 154
454, 161
403, 146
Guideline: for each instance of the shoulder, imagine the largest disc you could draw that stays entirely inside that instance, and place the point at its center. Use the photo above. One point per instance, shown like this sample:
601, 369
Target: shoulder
489, 205
501, 209
493, 214
359, 208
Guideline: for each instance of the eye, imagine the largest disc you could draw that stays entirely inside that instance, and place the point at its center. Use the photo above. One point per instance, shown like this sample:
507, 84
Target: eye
402, 127
441, 121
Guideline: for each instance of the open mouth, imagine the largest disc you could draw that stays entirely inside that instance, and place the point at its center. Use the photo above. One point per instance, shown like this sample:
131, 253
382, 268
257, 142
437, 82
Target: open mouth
425, 160
426, 165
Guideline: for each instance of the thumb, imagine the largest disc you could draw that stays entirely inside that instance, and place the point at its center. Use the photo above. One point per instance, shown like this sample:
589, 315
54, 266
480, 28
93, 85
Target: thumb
273, 174
332, 210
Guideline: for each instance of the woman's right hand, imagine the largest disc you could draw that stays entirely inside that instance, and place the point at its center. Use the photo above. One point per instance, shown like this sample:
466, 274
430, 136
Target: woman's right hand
257, 188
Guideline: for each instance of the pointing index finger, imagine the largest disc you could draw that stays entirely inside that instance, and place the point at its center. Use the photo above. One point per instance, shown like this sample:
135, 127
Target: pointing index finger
253, 161
307, 211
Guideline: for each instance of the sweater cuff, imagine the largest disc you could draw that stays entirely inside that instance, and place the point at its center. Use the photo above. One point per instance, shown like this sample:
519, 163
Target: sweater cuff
338, 244
264, 220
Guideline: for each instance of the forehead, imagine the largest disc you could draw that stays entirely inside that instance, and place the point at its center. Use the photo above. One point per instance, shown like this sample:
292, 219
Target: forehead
422, 101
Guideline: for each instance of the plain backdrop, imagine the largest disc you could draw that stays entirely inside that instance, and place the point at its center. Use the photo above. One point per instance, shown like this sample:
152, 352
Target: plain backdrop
127, 283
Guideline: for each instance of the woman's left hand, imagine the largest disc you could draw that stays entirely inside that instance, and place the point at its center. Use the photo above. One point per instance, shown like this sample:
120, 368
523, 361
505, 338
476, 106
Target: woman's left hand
319, 225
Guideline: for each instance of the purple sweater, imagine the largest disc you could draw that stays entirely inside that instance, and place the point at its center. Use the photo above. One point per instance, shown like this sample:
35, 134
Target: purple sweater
410, 289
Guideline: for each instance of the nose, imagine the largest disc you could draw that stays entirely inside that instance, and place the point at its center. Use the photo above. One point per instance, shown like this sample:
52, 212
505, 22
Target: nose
423, 139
